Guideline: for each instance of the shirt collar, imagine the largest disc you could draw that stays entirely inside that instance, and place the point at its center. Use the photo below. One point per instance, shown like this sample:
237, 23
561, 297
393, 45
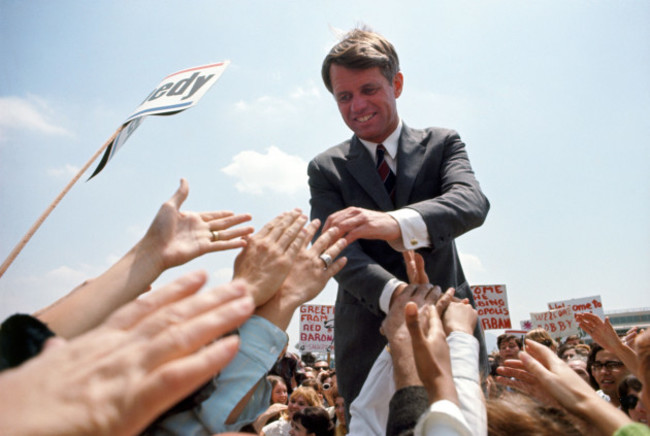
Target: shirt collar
390, 143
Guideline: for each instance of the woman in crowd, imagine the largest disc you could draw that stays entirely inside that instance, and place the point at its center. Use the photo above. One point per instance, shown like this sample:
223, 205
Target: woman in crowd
629, 391
301, 397
278, 404
312, 421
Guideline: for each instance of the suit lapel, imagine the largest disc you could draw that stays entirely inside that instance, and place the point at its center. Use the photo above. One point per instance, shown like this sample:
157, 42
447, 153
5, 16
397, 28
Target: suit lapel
362, 168
410, 157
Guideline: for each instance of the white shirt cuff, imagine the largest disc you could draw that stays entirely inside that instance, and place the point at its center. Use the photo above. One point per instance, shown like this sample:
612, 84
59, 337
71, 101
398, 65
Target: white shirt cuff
387, 293
413, 228
442, 418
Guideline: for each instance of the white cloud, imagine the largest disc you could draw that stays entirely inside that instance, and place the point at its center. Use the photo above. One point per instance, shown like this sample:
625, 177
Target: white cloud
275, 171
67, 170
276, 106
472, 265
31, 113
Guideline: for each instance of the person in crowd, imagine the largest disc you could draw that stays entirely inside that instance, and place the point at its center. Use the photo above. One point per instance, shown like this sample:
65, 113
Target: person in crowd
446, 358
573, 340
327, 381
117, 377
311, 421
321, 365
287, 367
579, 365
628, 391
317, 386
542, 371
583, 350
606, 371
300, 398
541, 336
278, 390
509, 346
339, 409
279, 399
390, 188
567, 352
174, 237
517, 414
604, 335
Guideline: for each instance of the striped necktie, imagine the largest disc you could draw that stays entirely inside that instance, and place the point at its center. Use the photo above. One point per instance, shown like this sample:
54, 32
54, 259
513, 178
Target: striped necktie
385, 173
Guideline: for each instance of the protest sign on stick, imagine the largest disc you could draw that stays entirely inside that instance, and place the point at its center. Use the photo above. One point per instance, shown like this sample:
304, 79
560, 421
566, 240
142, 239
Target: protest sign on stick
316, 328
176, 92
492, 306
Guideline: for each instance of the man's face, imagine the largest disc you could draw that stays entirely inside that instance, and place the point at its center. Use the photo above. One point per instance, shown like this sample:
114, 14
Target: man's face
366, 100
509, 350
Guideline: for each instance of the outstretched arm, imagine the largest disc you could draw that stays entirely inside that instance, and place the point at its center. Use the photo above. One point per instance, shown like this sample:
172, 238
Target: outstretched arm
173, 239
118, 377
604, 334
540, 368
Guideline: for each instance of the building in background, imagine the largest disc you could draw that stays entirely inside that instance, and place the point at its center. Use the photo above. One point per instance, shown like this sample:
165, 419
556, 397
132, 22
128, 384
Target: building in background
625, 319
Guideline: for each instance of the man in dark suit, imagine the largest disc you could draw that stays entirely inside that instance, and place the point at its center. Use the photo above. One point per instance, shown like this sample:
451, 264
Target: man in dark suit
428, 197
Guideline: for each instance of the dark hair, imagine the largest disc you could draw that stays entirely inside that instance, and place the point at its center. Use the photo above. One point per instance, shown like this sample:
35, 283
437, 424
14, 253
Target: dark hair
507, 338
595, 348
629, 383
361, 49
316, 420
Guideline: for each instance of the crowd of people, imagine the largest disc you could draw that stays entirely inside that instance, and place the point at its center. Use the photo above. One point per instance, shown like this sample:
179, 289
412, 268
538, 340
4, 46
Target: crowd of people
114, 358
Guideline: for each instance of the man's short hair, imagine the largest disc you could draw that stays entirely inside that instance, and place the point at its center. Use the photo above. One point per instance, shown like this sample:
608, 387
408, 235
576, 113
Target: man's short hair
361, 49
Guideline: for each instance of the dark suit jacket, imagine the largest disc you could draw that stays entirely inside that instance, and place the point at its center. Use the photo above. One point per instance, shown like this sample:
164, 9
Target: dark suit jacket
434, 177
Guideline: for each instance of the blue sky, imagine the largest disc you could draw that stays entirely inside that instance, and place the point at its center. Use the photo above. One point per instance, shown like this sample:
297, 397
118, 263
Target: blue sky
551, 97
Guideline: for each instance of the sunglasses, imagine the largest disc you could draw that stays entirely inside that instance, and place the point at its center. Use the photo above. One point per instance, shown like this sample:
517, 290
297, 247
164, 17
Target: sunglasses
629, 401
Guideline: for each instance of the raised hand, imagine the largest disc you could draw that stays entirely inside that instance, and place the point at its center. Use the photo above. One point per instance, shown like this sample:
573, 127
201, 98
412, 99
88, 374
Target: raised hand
543, 371
176, 237
118, 377
308, 274
270, 253
431, 352
358, 223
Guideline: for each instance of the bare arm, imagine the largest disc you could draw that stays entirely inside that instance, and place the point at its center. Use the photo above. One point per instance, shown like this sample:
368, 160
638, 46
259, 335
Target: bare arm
173, 239
543, 370
151, 353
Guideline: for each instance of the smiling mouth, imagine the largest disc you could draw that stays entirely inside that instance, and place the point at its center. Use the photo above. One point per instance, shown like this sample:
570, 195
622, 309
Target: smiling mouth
365, 118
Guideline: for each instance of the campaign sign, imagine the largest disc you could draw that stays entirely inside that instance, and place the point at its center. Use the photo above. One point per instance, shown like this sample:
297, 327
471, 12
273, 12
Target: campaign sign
180, 90
492, 306
316, 328
558, 322
174, 94
586, 304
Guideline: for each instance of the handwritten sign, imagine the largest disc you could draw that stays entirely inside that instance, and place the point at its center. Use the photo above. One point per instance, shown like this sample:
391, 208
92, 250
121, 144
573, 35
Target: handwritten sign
316, 328
558, 322
492, 306
586, 304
